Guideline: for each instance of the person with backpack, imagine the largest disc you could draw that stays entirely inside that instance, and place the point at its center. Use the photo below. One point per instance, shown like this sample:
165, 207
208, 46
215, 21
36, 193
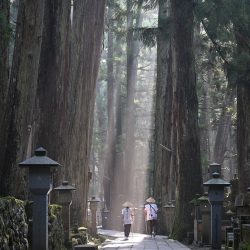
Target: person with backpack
150, 211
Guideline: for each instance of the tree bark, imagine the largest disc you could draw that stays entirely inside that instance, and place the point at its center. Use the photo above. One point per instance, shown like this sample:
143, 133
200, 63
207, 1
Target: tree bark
188, 162
110, 137
164, 137
205, 122
5, 34
21, 93
4, 54
241, 32
224, 128
243, 138
122, 179
116, 182
132, 63
50, 121
87, 31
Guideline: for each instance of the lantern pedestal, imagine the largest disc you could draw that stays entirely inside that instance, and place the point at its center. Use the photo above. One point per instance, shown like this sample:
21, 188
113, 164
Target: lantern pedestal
205, 209
65, 200
169, 209
93, 208
216, 196
40, 184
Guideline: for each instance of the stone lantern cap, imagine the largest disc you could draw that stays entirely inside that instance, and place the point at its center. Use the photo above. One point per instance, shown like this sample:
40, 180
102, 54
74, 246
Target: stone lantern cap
169, 205
204, 198
195, 200
65, 186
94, 199
216, 181
39, 160
214, 164
229, 212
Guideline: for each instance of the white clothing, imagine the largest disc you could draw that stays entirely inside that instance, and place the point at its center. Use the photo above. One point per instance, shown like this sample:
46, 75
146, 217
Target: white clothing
151, 211
127, 215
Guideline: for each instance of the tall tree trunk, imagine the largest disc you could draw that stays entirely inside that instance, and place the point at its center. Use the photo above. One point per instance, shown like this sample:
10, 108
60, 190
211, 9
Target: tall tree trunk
224, 128
189, 179
22, 93
4, 54
164, 149
116, 178
97, 151
242, 35
205, 123
132, 63
111, 174
87, 31
49, 127
110, 137
243, 135
124, 159
5, 34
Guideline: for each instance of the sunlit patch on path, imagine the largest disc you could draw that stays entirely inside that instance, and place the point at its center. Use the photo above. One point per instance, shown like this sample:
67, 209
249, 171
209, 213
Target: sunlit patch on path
138, 241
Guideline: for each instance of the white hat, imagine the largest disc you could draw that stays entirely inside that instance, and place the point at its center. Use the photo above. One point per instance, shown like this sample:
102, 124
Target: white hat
150, 200
127, 204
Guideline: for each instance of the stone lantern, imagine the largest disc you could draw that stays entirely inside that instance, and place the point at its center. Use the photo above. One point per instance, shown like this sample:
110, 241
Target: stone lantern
40, 184
205, 210
65, 200
214, 167
216, 187
195, 202
105, 218
169, 209
93, 208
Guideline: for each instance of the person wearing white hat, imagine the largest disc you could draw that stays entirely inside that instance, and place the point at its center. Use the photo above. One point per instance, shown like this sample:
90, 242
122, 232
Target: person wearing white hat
127, 216
150, 211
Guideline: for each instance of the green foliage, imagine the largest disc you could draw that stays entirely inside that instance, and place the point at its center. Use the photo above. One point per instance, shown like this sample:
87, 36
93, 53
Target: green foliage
13, 224
54, 210
216, 73
227, 24
150, 4
79, 236
147, 35
56, 231
118, 17
244, 246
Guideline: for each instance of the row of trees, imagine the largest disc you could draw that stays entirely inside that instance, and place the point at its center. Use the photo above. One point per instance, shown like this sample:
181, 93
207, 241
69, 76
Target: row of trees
202, 58
49, 62
48, 89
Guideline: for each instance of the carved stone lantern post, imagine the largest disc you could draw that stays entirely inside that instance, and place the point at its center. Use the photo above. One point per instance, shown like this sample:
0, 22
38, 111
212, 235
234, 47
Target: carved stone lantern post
93, 208
169, 209
216, 196
105, 218
40, 184
214, 167
196, 213
205, 209
65, 200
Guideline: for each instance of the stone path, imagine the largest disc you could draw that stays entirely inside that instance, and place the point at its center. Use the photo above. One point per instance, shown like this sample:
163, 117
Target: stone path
138, 242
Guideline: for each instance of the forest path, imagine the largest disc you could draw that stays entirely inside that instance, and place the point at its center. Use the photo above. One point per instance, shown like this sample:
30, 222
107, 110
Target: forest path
138, 241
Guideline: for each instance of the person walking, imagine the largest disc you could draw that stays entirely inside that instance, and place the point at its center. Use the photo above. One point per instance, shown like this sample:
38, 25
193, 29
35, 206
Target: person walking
150, 211
128, 217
